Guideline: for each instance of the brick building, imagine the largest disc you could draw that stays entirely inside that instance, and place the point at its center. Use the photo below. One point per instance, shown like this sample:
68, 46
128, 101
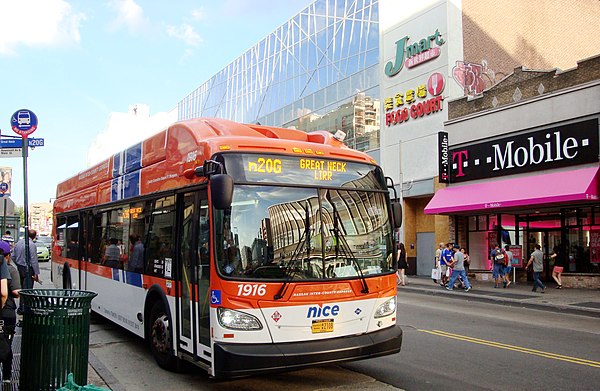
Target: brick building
523, 170
465, 48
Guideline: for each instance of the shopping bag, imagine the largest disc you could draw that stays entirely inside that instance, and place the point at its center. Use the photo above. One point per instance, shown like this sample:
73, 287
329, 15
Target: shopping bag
435, 274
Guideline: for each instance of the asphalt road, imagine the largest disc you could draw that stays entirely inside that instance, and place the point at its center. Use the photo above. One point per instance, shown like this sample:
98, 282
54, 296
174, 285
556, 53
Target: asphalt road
448, 345
455, 345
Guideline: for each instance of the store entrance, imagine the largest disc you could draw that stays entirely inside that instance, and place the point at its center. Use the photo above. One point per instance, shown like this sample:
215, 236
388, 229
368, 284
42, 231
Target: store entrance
547, 239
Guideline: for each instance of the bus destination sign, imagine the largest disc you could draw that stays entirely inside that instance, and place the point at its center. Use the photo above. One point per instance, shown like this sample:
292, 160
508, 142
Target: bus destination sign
302, 170
321, 170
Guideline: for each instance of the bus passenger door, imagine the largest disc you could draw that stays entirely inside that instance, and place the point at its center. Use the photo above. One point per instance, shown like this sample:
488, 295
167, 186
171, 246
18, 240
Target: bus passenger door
193, 274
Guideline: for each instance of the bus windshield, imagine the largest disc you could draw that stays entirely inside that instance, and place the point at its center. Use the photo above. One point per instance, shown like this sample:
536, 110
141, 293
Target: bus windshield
293, 233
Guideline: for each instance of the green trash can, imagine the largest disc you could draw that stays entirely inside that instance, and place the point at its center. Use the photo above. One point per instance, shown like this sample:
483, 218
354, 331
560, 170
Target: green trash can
55, 337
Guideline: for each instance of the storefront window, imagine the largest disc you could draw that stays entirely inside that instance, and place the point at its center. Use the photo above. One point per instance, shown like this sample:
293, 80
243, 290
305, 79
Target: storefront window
596, 213
576, 230
472, 223
571, 218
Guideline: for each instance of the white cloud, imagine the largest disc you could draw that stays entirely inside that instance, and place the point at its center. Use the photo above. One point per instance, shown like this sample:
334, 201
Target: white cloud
185, 33
129, 14
198, 14
37, 23
126, 129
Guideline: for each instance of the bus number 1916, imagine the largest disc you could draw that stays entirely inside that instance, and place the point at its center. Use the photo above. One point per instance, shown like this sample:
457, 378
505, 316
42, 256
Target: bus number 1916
252, 289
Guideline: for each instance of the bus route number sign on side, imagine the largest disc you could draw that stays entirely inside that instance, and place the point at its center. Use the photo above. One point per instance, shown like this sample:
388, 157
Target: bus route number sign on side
24, 122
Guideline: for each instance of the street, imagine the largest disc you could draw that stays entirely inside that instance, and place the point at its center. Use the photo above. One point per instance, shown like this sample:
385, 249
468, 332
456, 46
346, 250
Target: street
459, 345
448, 344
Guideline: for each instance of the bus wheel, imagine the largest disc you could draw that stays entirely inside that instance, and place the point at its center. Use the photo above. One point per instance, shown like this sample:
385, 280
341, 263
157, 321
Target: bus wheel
161, 342
66, 278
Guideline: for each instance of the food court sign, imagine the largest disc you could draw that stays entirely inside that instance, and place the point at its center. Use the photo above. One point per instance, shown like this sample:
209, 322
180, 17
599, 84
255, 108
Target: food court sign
422, 101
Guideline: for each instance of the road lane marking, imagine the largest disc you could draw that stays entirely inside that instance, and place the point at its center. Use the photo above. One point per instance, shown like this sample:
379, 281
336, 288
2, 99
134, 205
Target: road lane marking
499, 345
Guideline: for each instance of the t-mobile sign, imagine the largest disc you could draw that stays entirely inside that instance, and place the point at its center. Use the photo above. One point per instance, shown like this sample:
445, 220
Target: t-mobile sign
554, 147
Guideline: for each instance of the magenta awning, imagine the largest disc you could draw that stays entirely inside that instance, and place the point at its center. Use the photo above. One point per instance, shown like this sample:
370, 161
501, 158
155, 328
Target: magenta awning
558, 187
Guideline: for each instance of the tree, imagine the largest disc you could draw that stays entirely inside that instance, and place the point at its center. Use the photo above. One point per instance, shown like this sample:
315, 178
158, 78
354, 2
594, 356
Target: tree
20, 211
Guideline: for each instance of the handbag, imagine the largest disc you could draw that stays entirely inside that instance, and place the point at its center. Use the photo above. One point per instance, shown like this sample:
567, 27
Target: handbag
435, 274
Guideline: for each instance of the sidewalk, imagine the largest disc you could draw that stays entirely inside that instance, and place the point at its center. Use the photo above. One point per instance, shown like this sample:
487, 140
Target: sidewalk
93, 376
575, 301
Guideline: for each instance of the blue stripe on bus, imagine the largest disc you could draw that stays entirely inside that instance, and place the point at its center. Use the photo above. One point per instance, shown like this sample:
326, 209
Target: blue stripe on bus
134, 279
126, 186
131, 185
133, 158
127, 161
117, 164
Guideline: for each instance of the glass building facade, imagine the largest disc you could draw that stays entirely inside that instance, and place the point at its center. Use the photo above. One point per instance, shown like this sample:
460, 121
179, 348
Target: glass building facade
319, 70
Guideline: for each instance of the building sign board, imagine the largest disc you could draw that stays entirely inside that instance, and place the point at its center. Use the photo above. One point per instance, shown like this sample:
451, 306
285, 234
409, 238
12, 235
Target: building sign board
398, 110
549, 148
443, 157
413, 54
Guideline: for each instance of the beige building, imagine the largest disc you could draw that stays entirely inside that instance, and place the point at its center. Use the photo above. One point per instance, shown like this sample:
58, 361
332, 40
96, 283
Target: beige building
40, 217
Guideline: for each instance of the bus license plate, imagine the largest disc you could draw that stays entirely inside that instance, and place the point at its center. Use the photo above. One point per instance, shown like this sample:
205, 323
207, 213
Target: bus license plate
322, 326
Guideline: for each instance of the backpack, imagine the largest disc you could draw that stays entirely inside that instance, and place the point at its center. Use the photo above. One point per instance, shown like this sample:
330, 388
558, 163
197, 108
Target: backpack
500, 257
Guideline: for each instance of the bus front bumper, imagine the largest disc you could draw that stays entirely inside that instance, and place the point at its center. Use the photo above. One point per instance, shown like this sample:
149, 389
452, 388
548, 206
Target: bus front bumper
235, 360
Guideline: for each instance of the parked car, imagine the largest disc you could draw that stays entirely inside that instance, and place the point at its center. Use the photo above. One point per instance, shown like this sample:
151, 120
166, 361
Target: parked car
42, 252
47, 240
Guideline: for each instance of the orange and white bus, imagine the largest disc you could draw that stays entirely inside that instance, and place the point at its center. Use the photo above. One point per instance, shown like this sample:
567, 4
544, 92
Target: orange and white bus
241, 248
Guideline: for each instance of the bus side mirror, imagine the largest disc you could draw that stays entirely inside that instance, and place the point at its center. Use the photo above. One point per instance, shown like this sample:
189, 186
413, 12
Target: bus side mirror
221, 190
397, 214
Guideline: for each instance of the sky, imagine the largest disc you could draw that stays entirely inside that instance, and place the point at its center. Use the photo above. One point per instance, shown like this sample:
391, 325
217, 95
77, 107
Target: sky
83, 66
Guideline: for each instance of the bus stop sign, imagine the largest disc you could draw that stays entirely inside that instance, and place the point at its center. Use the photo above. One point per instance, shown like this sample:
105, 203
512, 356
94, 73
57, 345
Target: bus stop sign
24, 122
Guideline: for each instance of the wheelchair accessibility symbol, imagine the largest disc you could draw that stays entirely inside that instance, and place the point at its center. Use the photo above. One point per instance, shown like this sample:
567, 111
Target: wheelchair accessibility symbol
215, 297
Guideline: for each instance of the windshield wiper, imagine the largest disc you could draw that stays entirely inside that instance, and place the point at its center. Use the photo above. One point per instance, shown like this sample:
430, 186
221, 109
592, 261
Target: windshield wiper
289, 270
345, 248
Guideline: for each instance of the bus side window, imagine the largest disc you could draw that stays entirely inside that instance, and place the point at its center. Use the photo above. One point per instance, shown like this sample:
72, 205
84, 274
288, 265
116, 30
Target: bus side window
159, 249
72, 240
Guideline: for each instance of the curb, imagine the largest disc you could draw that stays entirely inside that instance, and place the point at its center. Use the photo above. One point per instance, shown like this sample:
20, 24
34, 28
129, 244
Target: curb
103, 372
504, 301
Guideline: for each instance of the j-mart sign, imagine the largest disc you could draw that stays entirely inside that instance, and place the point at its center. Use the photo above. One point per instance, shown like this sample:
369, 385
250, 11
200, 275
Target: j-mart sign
414, 54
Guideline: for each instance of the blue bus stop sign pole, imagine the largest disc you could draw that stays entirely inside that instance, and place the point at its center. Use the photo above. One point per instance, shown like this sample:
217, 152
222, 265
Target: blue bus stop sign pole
24, 122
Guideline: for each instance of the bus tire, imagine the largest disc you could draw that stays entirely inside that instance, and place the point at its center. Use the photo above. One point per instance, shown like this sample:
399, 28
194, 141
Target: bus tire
66, 277
161, 341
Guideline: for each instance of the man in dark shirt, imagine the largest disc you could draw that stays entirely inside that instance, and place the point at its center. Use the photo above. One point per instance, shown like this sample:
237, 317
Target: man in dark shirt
9, 274
18, 256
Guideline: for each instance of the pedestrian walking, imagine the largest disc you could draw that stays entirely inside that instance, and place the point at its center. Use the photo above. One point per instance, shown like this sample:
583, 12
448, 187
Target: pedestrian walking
402, 265
18, 256
498, 261
436, 261
507, 267
467, 259
445, 259
537, 259
559, 264
8, 313
458, 271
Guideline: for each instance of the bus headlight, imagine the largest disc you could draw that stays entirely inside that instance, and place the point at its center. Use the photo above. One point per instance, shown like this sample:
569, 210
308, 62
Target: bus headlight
387, 308
236, 320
